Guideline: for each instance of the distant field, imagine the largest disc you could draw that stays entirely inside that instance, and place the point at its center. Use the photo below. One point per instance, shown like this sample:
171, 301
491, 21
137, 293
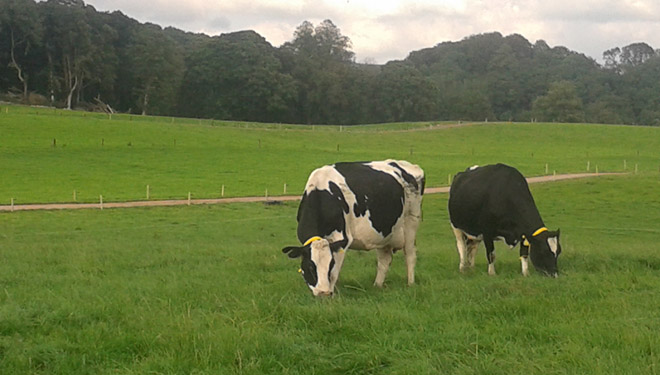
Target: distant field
47, 154
206, 290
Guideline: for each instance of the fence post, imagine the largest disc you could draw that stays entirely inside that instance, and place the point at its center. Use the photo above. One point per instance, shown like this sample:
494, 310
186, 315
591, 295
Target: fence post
101, 201
222, 194
75, 196
148, 192
285, 188
266, 194
189, 198
588, 166
546, 168
12, 205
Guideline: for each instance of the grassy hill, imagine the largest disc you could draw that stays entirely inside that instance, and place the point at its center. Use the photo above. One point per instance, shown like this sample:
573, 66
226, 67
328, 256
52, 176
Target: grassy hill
47, 154
206, 290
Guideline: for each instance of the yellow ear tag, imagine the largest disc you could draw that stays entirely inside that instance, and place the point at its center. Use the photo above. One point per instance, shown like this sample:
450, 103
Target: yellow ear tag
299, 270
341, 251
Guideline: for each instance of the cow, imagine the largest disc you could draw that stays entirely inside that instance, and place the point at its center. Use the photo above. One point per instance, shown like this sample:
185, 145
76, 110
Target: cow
360, 206
491, 203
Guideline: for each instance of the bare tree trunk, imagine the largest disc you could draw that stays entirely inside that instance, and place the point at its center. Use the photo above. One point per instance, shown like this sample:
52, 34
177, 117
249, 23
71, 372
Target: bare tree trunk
69, 97
19, 71
71, 79
145, 103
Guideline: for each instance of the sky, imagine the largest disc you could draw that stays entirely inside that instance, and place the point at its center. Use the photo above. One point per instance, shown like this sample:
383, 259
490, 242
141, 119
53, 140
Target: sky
385, 30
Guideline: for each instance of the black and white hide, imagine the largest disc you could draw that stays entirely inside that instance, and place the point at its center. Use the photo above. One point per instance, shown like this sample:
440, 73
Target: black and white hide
358, 205
491, 203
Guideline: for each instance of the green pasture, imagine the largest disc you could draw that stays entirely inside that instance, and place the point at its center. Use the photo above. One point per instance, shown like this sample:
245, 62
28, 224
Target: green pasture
46, 154
205, 290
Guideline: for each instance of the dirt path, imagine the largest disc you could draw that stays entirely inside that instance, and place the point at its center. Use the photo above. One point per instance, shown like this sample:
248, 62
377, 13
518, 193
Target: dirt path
186, 202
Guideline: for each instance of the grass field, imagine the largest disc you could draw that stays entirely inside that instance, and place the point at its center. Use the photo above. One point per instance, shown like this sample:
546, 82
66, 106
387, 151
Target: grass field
206, 290
118, 158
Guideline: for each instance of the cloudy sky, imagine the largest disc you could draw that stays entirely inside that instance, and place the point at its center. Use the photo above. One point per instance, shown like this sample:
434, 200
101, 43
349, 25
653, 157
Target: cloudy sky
384, 30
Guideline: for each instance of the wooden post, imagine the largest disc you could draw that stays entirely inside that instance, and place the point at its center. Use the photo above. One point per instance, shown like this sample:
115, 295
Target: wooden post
189, 198
75, 198
596, 168
588, 166
449, 179
285, 188
266, 194
222, 194
546, 168
101, 201
148, 192
12, 205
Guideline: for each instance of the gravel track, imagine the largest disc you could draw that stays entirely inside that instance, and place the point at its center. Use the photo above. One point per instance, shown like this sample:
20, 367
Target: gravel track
274, 199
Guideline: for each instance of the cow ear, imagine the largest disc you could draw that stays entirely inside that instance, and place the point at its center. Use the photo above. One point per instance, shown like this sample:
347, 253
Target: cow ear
293, 251
557, 232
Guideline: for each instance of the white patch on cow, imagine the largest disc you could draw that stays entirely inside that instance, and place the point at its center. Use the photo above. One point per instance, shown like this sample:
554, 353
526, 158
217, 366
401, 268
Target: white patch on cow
321, 256
524, 262
552, 242
474, 167
474, 238
491, 269
320, 179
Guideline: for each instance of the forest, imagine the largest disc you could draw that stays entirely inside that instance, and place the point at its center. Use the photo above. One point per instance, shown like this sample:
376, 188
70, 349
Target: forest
65, 53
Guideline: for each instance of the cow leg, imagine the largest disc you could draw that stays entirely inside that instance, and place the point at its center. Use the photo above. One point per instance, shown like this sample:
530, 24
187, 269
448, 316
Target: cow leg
409, 248
524, 259
334, 274
461, 245
384, 261
490, 255
472, 251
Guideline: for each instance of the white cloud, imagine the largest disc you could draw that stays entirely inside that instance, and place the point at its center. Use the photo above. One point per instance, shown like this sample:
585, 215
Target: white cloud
390, 29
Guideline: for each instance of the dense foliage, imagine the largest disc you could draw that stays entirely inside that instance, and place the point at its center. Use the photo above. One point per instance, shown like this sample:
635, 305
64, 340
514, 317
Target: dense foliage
65, 53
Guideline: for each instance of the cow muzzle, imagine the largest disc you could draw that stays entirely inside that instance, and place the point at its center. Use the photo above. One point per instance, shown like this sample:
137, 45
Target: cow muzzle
325, 293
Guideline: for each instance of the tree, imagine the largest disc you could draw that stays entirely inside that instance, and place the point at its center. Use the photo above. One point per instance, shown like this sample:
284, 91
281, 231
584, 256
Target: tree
612, 59
403, 94
237, 76
560, 104
68, 45
19, 21
157, 68
317, 58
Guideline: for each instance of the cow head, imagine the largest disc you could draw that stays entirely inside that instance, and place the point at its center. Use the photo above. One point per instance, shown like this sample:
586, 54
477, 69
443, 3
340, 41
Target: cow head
544, 249
318, 261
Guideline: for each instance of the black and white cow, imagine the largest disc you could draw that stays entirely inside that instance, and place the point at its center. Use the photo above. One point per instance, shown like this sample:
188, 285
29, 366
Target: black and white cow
491, 203
363, 206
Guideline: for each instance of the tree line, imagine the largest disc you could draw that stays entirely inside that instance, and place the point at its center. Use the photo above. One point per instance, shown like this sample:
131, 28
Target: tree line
66, 53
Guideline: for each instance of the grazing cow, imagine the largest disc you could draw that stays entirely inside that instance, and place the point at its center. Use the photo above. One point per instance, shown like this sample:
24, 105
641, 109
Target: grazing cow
493, 202
362, 206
